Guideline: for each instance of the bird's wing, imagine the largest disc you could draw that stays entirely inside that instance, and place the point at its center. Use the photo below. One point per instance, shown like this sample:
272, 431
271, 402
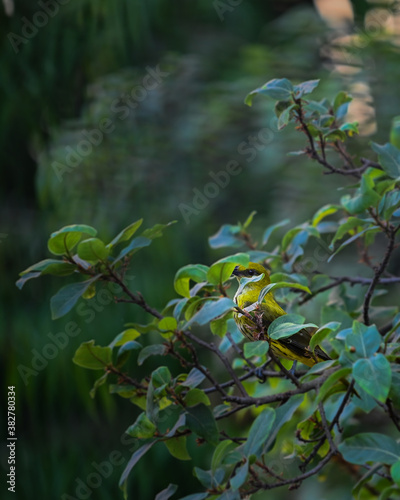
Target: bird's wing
299, 342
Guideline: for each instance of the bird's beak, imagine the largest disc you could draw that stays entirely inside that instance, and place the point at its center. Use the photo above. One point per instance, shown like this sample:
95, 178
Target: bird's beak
236, 271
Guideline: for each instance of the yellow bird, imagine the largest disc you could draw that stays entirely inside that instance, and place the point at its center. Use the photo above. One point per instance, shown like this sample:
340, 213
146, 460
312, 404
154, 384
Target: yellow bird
296, 347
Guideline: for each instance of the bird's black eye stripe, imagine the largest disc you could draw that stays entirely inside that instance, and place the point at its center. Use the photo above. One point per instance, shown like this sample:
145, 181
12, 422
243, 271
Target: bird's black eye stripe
252, 272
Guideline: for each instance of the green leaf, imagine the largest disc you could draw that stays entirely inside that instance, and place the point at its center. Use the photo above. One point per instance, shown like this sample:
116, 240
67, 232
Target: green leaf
335, 135
196, 396
92, 357
284, 413
282, 284
167, 492
305, 88
167, 324
21, 282
374, 376
331, 381
287, 325
324, 212
99, 382
364, 339
177, 448
370, 447
194, 378
286, 116
201, 421
257, 348
126, 234
259, 432
195, 496
364, 198
353, 238
350, 224
64, 240
134, 245
350, 128
65, 299
92, 250
125, 336
249, 219
51, 266
210, 311
195, 272
240, 477
322, 333
395, 472
278, 89
220, 326
268, 232
156, 231
151, 350
209, 479
389, 158
227, 236
143, 428
341, 103
220, 452
222, 270
137, 455
125, 350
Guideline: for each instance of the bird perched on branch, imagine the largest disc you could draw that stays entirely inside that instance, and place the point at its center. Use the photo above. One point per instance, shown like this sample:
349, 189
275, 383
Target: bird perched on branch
255, 318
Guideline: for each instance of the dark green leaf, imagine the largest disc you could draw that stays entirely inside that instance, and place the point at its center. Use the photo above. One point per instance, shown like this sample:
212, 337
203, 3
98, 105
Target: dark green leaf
395, 472
257, 348
51, 266
370, 447
201, 421
305, 88
240, 477
151, 350
21, 282
210, 311
194, 378
374, 376
134, 245
353, 238
99, 382
227, 236
259, 432
268, 232
278, 89
364, 339
389, 158
282, 284
65, 299
322, 333
331, 381
287, 325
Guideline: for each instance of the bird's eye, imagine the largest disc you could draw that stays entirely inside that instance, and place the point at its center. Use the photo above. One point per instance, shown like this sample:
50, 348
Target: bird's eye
251, 272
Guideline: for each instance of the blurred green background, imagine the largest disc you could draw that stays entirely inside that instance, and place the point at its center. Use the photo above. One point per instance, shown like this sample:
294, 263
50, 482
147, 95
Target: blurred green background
68, 66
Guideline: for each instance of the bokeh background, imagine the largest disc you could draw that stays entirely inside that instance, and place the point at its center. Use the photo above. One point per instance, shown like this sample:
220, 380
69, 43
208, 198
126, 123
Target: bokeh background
62, 73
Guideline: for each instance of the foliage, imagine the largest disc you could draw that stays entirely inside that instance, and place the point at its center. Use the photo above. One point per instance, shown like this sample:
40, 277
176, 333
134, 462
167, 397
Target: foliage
319, 405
